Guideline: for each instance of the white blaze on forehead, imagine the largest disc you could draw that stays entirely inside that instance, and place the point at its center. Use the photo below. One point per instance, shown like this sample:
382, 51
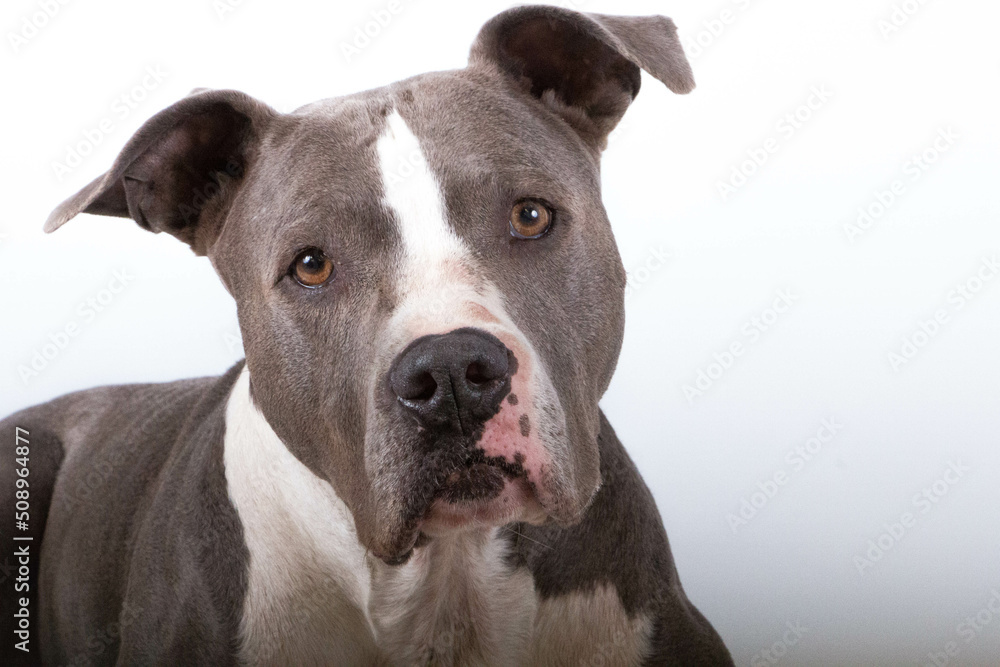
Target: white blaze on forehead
442, 288
436, 279
414, 194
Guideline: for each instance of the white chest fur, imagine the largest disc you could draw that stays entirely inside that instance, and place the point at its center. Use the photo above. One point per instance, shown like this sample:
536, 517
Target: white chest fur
455, 602
308, 580
315, 597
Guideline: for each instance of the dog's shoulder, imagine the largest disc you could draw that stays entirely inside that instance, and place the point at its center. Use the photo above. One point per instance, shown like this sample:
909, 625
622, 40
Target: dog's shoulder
83, 417
190, 612
151, 456
613, 576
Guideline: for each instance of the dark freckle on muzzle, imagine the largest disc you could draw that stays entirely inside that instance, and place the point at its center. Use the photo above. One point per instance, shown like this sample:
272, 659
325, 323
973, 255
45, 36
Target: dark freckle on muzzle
512, 399
525, 425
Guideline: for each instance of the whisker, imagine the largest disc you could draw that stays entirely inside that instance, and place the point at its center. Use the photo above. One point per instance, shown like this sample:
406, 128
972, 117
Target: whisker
520, 534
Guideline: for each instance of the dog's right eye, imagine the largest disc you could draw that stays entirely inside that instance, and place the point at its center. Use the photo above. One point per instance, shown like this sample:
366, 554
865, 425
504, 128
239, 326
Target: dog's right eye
530, 219
311, 268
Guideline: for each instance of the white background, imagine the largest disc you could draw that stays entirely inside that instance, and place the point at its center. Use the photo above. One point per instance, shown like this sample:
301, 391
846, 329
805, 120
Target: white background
796, 559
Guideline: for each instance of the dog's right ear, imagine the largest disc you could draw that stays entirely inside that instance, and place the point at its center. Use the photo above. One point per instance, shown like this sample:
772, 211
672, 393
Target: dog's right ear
584, 67
178, 174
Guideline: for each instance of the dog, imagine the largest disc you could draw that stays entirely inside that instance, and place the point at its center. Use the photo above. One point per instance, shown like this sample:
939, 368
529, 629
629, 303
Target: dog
410, 465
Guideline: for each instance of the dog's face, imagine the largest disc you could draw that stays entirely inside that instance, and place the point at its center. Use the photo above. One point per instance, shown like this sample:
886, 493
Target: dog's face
429, 292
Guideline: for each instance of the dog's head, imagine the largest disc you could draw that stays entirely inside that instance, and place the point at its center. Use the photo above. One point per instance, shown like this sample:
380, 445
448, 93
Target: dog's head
429, 292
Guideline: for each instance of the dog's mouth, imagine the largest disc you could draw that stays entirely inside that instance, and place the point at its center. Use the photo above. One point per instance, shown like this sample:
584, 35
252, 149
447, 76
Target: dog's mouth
476, 491
478, 478
483, 492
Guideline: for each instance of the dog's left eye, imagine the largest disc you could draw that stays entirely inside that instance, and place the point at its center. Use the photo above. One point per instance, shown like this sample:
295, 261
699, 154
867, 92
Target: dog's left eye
311, 268
530, 219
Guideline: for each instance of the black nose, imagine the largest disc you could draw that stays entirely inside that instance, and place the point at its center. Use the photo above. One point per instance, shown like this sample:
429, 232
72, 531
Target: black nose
454, 380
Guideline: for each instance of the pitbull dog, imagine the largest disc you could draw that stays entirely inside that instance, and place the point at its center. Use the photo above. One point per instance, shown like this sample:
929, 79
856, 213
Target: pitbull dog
410, 467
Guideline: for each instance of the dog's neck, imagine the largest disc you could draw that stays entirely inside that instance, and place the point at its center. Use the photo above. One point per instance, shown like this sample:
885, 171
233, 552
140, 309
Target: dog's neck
314, 595
454, 602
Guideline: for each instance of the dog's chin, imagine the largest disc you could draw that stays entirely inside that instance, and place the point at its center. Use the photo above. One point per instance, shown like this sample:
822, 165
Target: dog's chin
478, 494
514, 501
481, 493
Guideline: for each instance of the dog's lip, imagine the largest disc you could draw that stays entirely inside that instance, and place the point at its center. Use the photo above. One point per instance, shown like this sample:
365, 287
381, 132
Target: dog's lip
481, 491
516, 501
474, 480
450, 506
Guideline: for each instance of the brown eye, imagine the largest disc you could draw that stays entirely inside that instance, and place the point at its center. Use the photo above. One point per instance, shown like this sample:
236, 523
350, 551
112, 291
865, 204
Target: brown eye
529, 219
312, 268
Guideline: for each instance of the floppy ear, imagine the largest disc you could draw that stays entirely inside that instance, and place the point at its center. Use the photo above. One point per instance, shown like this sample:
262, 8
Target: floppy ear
583, 66
179, 172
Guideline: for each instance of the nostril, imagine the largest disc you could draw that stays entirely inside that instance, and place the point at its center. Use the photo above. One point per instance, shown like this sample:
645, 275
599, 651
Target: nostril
421, 387
476, 374
486, 368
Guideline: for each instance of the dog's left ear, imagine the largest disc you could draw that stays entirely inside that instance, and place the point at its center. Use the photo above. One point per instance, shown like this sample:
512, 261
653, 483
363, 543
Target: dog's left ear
585, 67
180, 172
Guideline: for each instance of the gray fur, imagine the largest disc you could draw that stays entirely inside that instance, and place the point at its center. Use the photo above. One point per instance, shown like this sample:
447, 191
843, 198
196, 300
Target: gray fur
155, 551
